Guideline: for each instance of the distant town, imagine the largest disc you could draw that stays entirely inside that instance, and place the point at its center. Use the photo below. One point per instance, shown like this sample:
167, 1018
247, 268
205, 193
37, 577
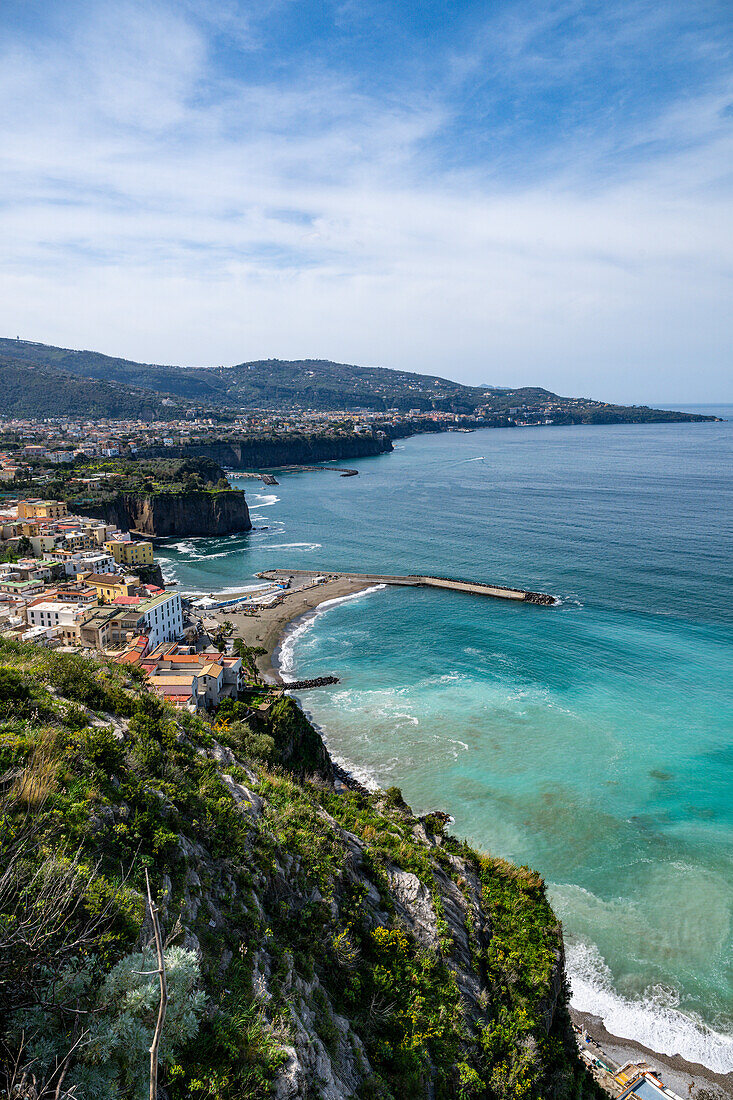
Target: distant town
58, 440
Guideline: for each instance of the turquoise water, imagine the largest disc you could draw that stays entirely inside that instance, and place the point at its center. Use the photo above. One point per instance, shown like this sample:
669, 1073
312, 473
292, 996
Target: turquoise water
592, 740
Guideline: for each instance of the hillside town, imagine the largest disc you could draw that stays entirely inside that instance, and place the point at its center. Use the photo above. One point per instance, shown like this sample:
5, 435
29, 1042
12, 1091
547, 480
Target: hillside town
76, 584
60, 440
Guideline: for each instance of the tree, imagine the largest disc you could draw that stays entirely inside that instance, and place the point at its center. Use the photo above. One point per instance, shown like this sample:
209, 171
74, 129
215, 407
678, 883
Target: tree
249, 655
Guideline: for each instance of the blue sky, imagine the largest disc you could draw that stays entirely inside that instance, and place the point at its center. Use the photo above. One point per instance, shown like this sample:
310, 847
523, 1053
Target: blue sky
501, 192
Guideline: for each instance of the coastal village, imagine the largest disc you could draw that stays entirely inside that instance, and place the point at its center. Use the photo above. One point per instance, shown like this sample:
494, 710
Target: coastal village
78, 585
60, 440
365, 699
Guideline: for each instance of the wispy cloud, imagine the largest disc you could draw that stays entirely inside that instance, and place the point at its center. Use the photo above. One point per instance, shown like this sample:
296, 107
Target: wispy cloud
174, 187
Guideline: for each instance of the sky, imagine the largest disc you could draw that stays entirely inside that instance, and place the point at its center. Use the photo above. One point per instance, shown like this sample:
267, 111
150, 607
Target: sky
512, 192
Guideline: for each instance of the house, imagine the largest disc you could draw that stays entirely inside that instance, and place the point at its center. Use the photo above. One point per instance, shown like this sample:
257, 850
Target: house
43, 543
179, 689
95, 629
218, 676
98, 564
162, 618
109, 586
20, 588
130, 553
63, 617
648, 1087
41, 509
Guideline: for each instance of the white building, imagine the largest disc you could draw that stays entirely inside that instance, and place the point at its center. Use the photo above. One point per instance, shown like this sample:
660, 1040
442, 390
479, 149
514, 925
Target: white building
162, 618
94, 563
52, 613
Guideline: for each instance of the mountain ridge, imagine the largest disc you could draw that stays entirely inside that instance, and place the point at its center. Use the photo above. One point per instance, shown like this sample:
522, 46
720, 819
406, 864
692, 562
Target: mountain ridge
268, 384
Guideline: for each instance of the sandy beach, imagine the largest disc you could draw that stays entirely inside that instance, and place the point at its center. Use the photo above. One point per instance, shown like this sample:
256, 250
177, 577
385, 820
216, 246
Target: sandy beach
676, 1073
265, 626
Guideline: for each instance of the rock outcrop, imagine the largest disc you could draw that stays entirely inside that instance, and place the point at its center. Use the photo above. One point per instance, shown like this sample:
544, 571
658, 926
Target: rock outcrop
274, 451
184, 514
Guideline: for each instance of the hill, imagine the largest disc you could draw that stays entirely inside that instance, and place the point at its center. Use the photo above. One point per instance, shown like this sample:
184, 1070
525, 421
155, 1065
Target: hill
194, 385
304, 384
320, 941
29, 389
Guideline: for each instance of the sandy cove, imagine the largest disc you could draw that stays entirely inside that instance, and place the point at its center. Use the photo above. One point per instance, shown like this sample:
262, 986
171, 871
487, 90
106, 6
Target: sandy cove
265, 626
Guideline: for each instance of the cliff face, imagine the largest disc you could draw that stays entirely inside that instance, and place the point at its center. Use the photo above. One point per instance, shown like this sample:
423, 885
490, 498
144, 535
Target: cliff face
328, 943
279, 451
187, 514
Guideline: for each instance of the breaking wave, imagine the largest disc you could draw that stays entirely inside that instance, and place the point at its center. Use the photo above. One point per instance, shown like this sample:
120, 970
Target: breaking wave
654, 1020
284, 655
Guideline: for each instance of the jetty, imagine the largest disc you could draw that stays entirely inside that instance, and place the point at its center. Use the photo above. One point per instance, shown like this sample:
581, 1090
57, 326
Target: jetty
343, 470
287, 577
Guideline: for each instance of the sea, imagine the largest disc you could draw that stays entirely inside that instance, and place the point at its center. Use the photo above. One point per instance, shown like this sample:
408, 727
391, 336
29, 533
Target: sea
591, 740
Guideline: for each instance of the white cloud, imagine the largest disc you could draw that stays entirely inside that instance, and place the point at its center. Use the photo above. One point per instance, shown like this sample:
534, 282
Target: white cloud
150, 208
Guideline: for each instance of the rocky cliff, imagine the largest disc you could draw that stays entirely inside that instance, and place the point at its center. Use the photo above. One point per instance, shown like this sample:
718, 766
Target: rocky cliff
183, 514
273, 451
322, 942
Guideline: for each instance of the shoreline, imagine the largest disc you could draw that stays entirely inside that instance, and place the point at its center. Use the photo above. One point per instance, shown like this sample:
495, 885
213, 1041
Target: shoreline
267, 627
675, 1071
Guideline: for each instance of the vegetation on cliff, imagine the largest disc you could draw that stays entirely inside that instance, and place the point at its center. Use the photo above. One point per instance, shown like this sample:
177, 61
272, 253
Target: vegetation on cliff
161, 497
319, 942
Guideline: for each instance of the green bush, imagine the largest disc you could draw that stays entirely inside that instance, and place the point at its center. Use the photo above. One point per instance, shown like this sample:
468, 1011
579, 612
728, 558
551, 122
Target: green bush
75, 678
15, 692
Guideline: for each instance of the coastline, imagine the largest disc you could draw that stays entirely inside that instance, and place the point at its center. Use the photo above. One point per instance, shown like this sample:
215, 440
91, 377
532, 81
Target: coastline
677, 1073
266, 626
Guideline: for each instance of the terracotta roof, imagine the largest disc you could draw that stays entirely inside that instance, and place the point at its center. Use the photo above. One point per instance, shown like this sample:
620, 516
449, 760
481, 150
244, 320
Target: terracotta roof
166, 680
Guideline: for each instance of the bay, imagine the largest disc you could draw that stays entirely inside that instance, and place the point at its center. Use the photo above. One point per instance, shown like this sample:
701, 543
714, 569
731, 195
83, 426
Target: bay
592, 740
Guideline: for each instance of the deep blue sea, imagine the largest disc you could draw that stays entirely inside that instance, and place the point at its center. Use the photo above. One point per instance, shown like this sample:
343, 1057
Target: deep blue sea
592, 740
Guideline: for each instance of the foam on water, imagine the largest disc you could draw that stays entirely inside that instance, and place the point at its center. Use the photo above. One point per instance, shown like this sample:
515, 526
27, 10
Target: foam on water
654, 1020
284, 654
305, 547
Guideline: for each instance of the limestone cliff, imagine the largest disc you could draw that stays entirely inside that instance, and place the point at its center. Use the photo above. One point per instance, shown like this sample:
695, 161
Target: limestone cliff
185, 514
325, 943
286, 450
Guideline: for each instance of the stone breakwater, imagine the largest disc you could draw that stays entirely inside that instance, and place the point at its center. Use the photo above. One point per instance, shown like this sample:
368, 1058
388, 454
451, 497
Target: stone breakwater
317, 682
480, 589
301, 577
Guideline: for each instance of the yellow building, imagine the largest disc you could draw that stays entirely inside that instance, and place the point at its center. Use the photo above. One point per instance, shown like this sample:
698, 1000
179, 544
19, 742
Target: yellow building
107, 586
42, 509
130, 553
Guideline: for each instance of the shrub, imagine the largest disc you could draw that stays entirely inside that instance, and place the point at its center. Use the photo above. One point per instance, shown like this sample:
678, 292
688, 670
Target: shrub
15, 692
129, 1000
74, 678
245, 741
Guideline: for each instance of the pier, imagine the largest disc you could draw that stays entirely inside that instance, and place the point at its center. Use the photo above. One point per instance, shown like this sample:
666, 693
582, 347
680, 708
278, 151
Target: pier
413, 580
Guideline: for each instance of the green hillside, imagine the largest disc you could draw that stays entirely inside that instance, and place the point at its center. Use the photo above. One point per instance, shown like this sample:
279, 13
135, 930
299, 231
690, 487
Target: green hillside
319, 941
315, 384
195, 385
32, 390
